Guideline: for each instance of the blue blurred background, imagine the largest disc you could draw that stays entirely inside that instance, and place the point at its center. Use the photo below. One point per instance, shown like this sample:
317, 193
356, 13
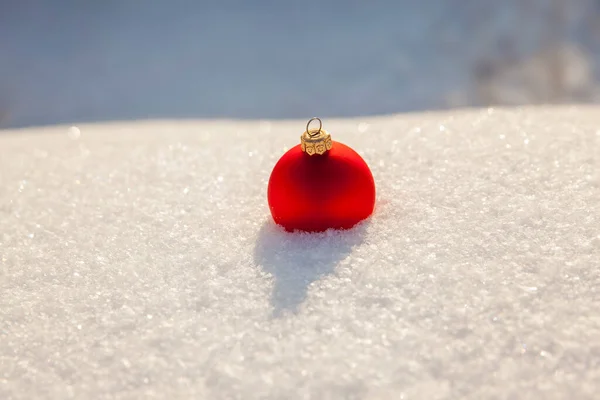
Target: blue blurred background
72, 61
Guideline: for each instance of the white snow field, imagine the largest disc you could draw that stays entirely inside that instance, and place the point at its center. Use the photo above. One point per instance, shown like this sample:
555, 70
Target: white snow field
138, 260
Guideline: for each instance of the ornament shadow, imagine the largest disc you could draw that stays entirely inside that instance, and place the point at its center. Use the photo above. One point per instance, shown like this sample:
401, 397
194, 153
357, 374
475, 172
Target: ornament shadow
296, 260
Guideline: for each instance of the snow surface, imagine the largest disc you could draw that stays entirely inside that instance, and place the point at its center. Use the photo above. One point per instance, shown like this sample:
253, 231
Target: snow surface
138, 260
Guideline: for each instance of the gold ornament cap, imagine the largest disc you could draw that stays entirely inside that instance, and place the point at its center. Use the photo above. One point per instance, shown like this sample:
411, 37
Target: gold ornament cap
316, 141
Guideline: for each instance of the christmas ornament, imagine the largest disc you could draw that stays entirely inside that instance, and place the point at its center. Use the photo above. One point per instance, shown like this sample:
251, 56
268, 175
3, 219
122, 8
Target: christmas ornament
320, 184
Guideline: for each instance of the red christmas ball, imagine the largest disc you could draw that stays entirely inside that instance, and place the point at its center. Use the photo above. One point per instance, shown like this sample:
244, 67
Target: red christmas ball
321, 191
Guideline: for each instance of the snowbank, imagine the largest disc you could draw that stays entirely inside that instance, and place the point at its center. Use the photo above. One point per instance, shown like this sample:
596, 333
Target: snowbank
138, 259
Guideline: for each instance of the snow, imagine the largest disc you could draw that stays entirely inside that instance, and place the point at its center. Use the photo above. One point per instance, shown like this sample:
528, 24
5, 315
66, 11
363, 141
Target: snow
138, 260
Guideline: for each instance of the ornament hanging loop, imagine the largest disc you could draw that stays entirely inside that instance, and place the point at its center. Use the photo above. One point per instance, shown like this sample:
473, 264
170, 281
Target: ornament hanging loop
315, 142
314, 133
